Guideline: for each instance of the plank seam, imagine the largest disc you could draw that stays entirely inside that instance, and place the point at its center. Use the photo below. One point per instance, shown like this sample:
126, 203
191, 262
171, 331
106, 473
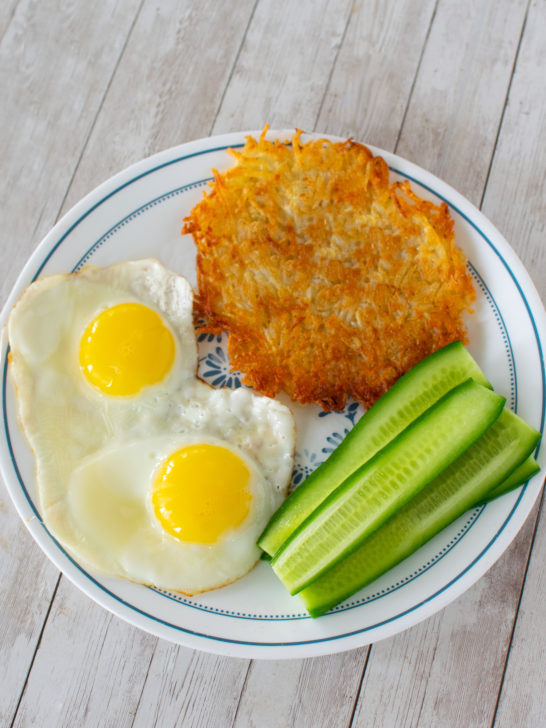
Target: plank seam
243, 688
13, 11
85, 706
359, 689
144, 683
234, 65
419, 63
533, 537
474, 40
505, 105
334, 63
516, 615
99, 108
38, 643
421, 707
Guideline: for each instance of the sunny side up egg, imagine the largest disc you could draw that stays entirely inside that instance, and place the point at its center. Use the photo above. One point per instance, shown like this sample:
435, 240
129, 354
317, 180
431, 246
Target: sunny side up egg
143, 471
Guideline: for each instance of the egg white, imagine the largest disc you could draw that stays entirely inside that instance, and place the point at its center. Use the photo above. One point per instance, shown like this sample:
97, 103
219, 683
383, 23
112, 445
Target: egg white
76, 430
110, 512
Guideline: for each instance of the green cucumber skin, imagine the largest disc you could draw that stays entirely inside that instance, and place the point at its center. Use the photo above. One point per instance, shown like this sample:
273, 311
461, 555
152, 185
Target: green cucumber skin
408, 398
520, 475
503, 447
373, 493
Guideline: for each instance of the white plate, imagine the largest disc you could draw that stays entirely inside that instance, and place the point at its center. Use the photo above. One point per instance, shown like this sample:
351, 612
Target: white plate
138, 213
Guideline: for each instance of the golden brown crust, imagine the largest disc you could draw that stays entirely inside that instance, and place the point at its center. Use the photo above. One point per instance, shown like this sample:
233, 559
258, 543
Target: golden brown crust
330, 280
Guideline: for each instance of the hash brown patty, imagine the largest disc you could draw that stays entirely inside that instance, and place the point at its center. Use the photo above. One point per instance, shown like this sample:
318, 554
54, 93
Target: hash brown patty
331, 280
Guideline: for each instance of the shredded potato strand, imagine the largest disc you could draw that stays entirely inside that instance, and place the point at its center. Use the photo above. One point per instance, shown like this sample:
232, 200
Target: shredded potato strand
330, 280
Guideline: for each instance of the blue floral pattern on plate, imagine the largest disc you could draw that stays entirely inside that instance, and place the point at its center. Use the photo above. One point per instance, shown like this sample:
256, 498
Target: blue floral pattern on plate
353, 411
304, 465
334, 440
216, 369
204, 336
208, 337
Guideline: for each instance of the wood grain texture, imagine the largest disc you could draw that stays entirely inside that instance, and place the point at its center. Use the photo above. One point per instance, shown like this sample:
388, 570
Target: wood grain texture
28, 582
374, 71
455, 659
519, 206
522, 699
45, 61
89, 669
318, 692
190, 688
464, 648
7, 11
284, 65
167, 88
44, 56
514, 198
388, 696
454, 114
91, 88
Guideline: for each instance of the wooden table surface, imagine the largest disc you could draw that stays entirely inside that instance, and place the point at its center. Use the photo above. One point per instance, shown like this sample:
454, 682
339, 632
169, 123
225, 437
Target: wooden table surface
453, 85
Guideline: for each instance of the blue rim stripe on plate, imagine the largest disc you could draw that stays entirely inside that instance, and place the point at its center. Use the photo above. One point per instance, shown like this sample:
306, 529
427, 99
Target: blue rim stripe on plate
511, 364
346, 606
121, 187
351, 605
135, 213
318, 640
163, 622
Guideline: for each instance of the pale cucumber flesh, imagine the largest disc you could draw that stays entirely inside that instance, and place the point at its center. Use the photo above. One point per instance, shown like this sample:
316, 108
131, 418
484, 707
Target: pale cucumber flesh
374, 492
407, 399
479, 469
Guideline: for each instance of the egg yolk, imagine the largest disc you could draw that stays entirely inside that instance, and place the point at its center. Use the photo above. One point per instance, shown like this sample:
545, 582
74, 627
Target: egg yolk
201, 492
126, 348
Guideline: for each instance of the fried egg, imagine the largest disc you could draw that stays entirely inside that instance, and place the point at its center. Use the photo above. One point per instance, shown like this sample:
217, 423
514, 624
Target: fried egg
143, 471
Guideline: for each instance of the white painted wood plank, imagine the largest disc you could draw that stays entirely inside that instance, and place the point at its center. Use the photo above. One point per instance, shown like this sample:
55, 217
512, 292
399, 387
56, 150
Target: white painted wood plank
89, 669
86, 699
473, 644
523, 698
27, 583
180, 687
396, 678
284, 65
191, 689
446, 671
51, 94
272, 680
309, 692
44, 57
472, 637
375, 70
453, 106
168, 86
514, 198
7, 11
318, 692
172, 95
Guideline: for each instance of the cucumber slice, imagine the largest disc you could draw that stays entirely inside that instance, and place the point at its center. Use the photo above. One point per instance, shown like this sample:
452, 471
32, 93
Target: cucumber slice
454, 491
408, 398
385, 483
520, 475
